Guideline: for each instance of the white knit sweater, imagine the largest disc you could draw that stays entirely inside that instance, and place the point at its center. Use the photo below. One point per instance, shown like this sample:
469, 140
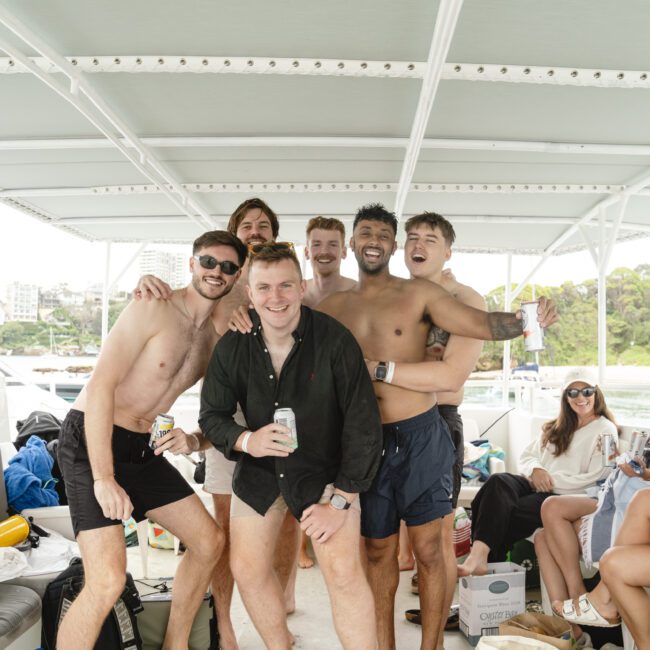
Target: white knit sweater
579, 467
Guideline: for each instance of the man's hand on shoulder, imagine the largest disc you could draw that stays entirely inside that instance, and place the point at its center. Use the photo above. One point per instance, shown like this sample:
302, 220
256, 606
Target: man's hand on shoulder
321, 521
177, 442
270, 440
240, 321
149, 286
113, 500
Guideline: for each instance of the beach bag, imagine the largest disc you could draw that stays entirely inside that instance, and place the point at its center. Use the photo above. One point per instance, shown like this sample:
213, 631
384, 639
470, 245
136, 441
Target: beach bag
551, 630
511, 643
120, 629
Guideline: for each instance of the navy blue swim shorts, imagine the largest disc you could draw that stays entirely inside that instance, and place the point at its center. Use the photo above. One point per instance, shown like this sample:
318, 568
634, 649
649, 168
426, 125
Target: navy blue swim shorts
414, 481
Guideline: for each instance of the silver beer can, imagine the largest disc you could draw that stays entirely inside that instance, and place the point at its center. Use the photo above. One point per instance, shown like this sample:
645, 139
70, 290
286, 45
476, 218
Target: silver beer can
287, 418
639, 440
162, 425
608, 449
533, 332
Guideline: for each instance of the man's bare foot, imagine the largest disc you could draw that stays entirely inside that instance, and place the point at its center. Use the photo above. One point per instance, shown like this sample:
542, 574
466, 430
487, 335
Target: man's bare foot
304, 561
406, 562
472, 566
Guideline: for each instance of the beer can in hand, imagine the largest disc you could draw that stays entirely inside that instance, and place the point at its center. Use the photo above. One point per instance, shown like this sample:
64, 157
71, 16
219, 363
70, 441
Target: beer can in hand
533, 331
287, 418
639, 440
608, 449
162, 425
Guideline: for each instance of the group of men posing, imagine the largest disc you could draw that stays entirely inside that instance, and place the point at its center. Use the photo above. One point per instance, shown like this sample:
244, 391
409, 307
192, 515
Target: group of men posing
361, 364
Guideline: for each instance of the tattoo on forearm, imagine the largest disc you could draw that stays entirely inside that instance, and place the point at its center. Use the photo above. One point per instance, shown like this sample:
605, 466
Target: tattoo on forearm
504, 326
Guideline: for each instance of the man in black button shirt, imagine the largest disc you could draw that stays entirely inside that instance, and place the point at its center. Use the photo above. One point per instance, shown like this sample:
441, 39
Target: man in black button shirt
310, 363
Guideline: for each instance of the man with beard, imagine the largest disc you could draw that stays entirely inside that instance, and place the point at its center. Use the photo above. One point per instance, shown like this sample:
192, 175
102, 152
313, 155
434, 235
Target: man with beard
154, 352
391, 319
253, 222
449, 362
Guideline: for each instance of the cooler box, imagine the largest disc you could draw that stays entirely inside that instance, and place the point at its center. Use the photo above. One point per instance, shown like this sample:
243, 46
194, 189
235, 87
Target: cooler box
156, 596
486, 601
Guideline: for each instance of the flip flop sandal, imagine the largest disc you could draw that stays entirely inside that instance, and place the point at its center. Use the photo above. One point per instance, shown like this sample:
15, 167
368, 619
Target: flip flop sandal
413, 616
453, 623
587, 614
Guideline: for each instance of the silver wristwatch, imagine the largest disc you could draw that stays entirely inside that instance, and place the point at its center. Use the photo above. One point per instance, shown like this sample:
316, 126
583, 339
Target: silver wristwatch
339, 502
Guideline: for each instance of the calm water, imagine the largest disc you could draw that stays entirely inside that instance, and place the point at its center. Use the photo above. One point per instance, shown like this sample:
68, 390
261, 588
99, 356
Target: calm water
631, 405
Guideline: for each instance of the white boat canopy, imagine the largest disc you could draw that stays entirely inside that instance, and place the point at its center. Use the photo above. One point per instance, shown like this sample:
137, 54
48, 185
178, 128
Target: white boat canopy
526, 123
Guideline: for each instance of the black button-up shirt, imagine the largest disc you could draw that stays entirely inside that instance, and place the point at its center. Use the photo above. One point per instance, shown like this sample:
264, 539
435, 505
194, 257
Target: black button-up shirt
325, 381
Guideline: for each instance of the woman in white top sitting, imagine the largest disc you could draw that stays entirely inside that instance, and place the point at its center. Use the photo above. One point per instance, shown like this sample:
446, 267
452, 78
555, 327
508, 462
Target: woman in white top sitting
565, 459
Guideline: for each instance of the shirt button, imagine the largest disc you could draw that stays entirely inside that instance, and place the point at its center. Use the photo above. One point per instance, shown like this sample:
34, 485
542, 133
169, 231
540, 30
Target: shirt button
265, 350
270, 376
281, 475
276, 403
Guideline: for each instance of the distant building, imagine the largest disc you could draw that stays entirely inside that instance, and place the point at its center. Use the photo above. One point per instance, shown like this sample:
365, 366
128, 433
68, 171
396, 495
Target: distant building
60, 296
170, 267
3, 316
22, 302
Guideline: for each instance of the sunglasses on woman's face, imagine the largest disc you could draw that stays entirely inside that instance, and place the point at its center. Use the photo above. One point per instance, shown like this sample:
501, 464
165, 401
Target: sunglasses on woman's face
585, 392
209, 262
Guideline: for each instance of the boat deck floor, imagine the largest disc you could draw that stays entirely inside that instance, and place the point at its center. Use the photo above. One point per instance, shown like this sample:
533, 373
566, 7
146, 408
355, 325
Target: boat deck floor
312, 622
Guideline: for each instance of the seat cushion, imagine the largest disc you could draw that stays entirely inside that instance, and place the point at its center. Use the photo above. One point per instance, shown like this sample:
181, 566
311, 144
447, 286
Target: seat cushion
20, 608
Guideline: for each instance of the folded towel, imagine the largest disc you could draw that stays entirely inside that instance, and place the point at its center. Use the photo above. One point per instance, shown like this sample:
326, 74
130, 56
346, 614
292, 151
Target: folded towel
28, 479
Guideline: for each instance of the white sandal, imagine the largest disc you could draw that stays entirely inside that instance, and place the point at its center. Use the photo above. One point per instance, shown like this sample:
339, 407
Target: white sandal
587, 614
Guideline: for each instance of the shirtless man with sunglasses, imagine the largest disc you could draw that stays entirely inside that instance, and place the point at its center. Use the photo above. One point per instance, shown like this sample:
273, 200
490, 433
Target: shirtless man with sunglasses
154, 352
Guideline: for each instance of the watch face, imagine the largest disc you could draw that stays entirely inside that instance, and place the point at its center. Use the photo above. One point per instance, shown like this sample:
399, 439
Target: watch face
380, 372
338, 502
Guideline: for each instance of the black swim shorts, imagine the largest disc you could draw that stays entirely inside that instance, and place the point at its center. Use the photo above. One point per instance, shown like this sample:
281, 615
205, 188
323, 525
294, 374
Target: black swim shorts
451, 416
414, 480
149, 480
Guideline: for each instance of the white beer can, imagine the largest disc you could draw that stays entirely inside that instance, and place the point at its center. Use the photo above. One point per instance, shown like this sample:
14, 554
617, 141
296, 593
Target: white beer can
533, 332
287, 418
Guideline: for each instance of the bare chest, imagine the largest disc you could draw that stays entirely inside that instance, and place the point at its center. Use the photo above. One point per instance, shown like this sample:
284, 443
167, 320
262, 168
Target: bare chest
180, 358
390, 326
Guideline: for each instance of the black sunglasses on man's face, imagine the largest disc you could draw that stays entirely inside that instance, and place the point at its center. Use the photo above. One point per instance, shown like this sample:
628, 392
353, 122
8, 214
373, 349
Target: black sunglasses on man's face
209, 262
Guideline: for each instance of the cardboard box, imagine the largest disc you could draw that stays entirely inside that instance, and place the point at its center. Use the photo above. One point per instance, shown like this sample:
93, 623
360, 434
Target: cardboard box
550, 629
486, 601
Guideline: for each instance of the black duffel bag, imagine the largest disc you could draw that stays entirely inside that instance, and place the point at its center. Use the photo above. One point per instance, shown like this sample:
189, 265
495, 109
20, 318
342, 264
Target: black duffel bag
120, 629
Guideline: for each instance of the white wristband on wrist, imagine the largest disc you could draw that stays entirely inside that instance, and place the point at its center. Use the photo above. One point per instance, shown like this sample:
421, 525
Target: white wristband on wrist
390, 371
244, 442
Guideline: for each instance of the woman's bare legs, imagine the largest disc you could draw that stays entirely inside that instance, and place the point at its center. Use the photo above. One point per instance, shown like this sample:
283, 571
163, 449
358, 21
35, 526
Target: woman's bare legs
625, 569
561, 516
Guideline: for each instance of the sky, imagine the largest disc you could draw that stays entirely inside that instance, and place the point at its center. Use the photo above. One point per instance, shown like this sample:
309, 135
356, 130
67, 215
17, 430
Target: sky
33, 252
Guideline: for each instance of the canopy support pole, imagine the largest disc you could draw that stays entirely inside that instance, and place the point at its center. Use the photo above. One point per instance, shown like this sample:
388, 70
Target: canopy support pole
507, 303
106, 290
